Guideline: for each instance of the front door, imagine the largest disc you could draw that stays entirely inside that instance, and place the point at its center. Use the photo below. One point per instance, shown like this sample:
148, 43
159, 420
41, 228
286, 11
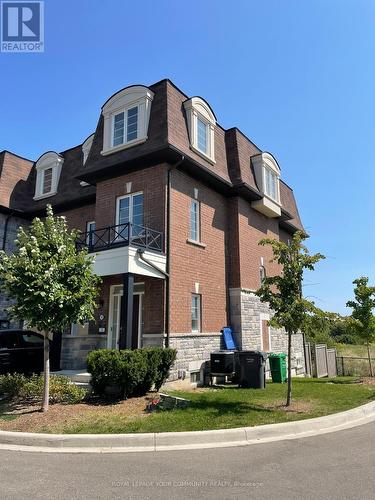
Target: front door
115, 316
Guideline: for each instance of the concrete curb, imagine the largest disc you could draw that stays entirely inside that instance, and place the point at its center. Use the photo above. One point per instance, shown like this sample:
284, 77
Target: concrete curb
125, 443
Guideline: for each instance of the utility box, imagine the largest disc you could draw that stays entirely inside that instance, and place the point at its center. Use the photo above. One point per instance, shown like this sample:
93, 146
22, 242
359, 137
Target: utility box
252, 369
278, 367
222, 363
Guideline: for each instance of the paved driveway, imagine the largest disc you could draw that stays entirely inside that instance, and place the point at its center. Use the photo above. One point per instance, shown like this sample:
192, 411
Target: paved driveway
333, 466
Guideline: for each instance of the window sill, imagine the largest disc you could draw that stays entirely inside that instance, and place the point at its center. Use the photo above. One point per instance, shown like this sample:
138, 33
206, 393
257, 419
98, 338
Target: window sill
196, 243
127, 145
203, 155
42, 196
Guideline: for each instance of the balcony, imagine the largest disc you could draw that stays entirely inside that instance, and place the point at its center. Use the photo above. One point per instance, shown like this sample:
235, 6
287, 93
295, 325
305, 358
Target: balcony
116, 250
121, 235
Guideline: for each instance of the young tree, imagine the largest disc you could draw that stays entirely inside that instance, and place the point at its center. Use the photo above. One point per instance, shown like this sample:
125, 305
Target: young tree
363, 319
51, 281
283, 292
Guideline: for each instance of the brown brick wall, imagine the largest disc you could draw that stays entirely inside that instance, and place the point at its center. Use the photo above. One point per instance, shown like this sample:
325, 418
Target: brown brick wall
77, 218
14, 170
151, 181
191, 264
254, 226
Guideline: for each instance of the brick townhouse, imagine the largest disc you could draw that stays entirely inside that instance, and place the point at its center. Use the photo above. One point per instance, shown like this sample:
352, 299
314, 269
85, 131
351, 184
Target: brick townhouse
173, 207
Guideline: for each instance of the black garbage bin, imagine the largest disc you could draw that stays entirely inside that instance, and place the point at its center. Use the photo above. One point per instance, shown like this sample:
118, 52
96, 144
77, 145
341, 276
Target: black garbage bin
252, 368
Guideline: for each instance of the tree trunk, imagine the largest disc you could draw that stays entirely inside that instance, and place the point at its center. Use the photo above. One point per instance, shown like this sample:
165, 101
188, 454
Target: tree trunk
369, 358
289, 395
46, 374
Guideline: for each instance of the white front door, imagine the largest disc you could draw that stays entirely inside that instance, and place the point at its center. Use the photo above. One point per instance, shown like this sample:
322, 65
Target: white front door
116, 293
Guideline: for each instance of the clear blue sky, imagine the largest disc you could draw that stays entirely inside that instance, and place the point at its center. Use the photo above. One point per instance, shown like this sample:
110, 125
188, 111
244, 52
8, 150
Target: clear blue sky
296, 76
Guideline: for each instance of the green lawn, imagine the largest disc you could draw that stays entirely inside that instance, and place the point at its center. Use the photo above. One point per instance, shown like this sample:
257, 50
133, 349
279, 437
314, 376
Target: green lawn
232, 407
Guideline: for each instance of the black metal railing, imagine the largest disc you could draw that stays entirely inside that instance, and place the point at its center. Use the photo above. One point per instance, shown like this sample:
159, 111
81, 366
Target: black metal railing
120, 236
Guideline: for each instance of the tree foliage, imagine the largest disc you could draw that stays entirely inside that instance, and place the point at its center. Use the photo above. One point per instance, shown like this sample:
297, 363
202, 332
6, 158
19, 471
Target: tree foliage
362, 315
283, 292
52, 283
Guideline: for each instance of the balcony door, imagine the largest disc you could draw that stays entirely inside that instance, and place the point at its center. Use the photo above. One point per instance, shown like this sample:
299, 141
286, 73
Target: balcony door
129, 210
116, 297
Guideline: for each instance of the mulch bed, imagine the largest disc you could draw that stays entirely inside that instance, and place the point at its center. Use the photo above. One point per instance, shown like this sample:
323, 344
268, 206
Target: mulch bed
29, 418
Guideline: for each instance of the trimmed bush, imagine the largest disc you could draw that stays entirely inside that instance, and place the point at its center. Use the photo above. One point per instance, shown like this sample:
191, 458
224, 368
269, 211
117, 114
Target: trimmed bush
168, 357
62, 390
129, 372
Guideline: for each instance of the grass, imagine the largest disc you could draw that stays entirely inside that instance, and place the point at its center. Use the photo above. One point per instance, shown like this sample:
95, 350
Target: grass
210, 408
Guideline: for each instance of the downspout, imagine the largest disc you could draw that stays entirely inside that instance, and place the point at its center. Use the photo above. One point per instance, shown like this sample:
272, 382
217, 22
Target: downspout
168, 250
140, 253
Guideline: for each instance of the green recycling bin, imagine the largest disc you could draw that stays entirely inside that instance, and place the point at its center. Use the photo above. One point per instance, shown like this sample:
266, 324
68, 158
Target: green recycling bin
278, 367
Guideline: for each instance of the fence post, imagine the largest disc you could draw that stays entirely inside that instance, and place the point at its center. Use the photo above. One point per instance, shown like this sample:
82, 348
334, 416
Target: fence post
342, 366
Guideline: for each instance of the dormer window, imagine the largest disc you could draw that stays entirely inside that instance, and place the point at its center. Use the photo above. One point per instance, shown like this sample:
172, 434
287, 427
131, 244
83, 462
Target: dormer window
201, 123
48, 169
126, 118
267, 175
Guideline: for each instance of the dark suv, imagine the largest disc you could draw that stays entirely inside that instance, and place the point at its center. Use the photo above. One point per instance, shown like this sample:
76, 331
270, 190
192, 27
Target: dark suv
21, 351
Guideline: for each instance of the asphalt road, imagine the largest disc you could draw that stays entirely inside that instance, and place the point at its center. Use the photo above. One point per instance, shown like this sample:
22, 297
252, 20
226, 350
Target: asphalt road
340, 465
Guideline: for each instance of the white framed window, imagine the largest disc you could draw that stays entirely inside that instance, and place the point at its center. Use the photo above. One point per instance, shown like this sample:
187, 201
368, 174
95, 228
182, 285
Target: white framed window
47, 180
271, 184
196, 305
267, 175
129, 209
48, 169
202, 138
126, 118
125, 126
195, 220
201, 123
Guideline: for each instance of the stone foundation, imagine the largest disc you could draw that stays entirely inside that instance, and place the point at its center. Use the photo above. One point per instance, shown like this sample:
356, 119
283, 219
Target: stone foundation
193, 350
74, 350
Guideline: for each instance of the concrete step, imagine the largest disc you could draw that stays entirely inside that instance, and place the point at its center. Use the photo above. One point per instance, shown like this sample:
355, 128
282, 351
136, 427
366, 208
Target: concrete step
79, 376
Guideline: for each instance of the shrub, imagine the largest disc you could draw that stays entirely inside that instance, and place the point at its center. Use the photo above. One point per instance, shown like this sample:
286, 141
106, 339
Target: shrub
62, 390
168, 357
132, 372
11, 384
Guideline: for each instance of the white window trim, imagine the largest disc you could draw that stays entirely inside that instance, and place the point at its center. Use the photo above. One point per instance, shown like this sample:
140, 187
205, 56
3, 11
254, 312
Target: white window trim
132, 141
197, 203
266, 169
46, 161
199, 330
131, 97
197, 108
118, 199
265, 317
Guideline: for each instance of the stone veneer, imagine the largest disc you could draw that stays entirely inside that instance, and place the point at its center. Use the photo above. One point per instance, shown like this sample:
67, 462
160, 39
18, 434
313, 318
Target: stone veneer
247, 311
74, 349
